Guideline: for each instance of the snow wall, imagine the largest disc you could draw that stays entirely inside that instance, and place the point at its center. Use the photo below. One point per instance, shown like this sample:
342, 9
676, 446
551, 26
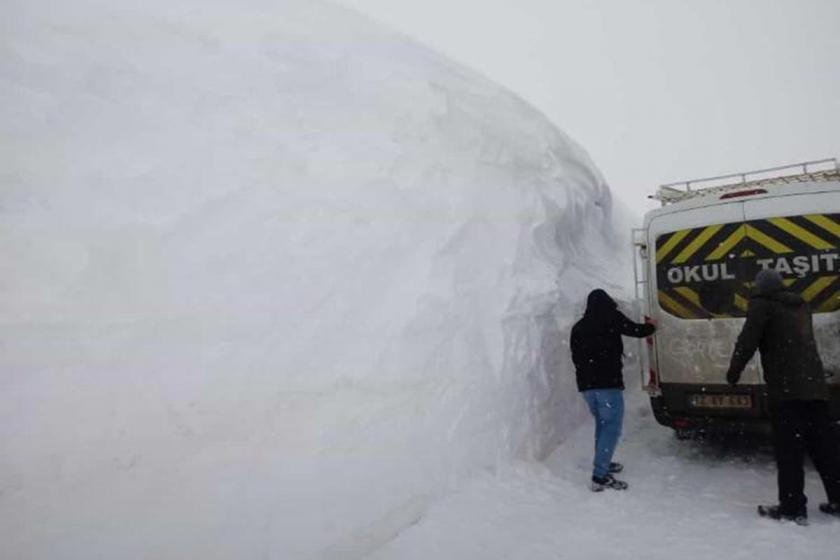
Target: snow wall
273, 279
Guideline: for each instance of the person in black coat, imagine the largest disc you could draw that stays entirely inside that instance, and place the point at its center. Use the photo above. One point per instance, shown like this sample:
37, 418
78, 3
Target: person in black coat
779, 326
597, 352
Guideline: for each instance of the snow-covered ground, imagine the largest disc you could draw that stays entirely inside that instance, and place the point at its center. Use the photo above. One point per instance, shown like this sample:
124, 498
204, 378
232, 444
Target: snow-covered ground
689, 500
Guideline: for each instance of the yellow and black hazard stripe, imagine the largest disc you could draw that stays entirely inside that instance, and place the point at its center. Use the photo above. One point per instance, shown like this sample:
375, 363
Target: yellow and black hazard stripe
707, 272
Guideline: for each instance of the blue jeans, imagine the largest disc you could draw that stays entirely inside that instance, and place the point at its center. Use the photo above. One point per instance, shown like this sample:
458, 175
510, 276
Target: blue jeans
607, 406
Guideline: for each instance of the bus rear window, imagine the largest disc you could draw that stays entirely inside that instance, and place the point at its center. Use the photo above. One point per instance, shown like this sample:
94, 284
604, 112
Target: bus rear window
707, 272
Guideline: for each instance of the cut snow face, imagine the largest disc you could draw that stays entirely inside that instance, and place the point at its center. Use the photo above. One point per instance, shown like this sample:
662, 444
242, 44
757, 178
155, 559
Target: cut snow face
273, 279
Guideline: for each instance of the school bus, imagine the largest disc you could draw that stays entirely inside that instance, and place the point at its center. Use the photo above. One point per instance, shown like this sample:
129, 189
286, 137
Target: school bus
695, 259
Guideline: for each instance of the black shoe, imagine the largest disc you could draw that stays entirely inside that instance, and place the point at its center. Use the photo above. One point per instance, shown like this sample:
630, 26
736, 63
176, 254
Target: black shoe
831, 508
775, 512
600, 483
616, 468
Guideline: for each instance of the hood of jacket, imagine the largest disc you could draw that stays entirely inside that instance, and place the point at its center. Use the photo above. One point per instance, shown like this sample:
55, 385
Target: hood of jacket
768, 281
599, 304
769, 285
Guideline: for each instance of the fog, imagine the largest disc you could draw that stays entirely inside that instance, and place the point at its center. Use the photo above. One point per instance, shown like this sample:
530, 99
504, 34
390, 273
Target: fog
656, 90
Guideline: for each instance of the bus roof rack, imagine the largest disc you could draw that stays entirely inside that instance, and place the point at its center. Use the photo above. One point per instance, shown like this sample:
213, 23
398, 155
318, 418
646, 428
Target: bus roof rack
808, 171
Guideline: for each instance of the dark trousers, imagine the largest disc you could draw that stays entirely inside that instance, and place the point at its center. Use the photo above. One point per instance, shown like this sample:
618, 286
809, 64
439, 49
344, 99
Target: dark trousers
801, 427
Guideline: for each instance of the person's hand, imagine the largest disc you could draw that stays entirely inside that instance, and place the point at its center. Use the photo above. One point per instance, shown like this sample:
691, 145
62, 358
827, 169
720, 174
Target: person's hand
651, 322
732, 377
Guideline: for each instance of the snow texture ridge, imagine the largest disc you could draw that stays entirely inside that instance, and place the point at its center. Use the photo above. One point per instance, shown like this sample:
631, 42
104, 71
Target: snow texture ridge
274, 278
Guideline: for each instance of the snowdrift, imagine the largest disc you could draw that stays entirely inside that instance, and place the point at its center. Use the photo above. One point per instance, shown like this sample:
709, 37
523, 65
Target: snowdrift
273, 278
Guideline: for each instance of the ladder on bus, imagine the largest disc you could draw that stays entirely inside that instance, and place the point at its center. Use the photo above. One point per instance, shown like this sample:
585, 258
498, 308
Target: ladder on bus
642, 304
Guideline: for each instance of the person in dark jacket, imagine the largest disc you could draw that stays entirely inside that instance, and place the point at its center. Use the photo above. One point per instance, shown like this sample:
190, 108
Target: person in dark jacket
597, 352
779, 325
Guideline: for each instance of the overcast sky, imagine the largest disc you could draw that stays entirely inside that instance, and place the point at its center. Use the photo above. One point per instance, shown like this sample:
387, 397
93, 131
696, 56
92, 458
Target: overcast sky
655, 90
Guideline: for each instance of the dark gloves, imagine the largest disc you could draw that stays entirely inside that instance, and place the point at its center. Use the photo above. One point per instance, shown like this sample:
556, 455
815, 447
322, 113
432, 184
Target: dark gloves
732, 377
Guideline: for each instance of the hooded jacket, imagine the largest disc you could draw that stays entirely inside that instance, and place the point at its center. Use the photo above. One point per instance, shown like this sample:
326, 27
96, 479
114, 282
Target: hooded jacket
596, 343
779, 325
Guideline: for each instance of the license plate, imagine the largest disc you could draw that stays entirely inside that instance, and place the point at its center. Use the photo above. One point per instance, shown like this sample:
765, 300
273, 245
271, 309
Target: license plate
710, 400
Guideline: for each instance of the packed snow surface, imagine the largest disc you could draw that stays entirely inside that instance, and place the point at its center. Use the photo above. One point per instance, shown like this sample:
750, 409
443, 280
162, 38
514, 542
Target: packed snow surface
273, 279
693, 500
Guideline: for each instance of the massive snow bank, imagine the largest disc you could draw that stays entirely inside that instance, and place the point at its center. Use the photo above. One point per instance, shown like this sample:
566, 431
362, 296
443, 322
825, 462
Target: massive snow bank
272, 279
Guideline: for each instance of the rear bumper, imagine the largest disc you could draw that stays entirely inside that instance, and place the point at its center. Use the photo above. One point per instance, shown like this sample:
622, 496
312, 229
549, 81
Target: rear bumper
672, 408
